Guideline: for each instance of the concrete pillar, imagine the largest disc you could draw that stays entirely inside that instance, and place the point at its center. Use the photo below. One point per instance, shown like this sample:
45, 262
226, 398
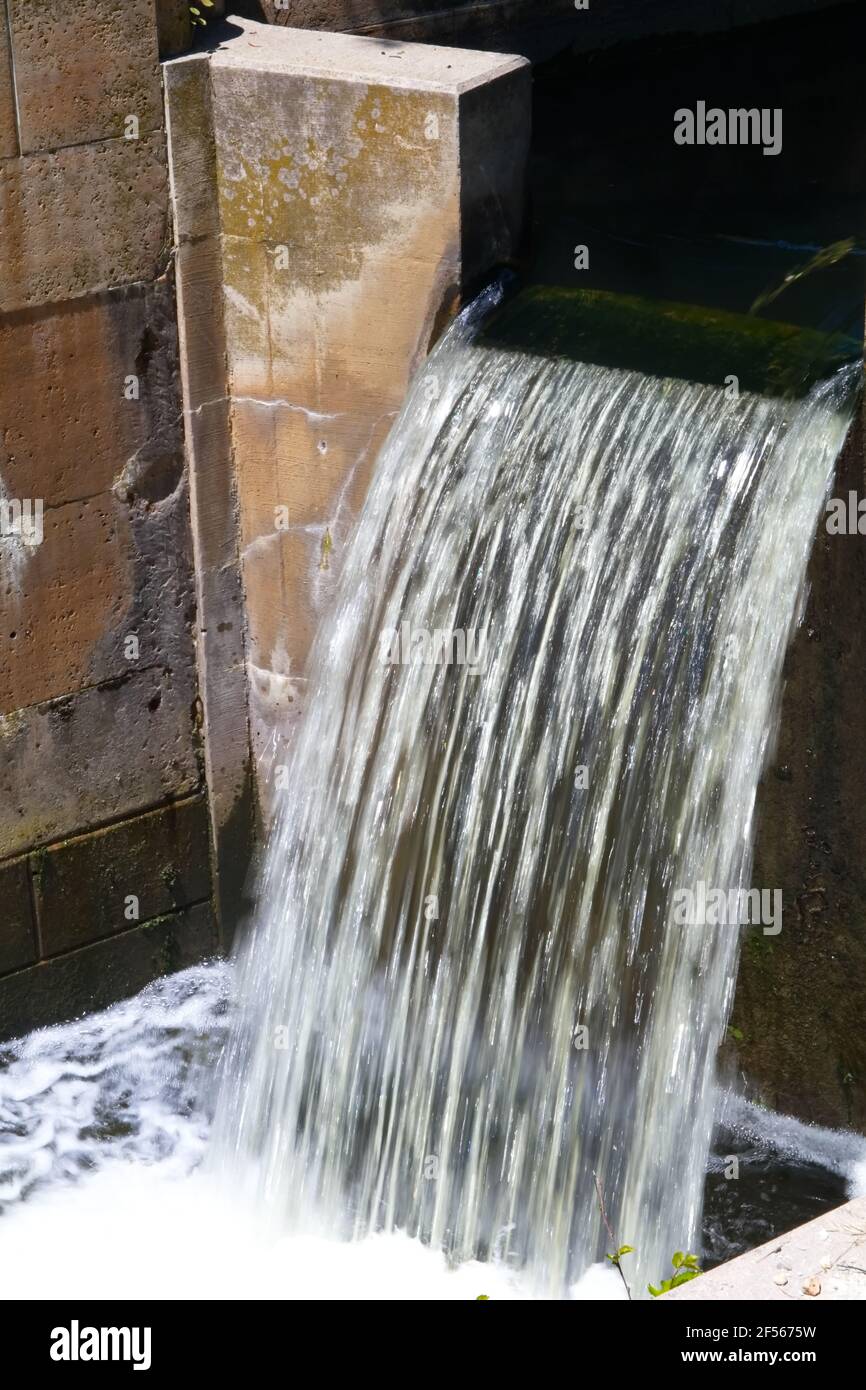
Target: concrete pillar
333, 197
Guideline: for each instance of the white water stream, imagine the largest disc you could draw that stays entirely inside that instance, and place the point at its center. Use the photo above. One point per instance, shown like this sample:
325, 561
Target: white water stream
465, 994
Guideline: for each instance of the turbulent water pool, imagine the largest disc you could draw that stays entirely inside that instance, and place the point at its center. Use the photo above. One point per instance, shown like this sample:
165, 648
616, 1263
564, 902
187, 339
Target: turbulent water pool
107, 1187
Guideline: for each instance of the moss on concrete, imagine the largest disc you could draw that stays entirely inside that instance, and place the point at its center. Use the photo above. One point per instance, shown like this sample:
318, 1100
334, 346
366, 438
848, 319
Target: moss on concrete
661, 339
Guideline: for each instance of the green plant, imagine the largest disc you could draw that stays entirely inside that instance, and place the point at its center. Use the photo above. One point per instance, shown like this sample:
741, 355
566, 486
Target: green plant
623, 1250
685, 1268
195, 13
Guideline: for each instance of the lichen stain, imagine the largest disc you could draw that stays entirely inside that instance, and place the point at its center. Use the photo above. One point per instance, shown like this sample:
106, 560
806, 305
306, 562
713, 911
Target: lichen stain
311, 189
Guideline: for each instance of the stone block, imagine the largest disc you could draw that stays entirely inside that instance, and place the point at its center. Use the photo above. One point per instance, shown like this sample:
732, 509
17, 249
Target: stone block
82, 68
84, 886
97, 756
99, 975
115, 560
68, 427
17, 928
345, 175
107, 592
59, 599
83, 219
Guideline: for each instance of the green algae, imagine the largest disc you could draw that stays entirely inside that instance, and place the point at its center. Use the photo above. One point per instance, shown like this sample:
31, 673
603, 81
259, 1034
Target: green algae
684, 341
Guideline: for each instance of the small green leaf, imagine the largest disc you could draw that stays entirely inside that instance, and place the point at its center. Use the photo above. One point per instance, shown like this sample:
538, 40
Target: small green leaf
656, 1293
483, 1298
625, 1250
678, 1259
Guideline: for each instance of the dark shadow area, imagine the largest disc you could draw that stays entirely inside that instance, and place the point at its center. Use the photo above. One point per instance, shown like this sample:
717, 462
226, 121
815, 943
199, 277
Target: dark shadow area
214, 34
712, 225
771, 1195
690, 342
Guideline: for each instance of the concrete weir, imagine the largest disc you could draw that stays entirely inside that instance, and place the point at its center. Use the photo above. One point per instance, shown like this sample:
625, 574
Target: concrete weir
332, 195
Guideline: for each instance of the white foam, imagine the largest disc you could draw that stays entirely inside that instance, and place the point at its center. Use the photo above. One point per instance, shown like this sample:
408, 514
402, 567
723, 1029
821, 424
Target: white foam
121, 1085
839, 1151
137, 1231
102, 1131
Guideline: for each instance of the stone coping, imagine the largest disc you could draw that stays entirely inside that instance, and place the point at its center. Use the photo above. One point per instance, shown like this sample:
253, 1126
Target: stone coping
315, 53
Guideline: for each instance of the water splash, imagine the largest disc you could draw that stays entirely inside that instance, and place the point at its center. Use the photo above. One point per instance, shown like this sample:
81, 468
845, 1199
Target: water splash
103, 1125
123, 1086
464, 994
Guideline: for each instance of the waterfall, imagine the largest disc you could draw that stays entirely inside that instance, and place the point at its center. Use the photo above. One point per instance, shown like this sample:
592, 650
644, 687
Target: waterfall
537, 713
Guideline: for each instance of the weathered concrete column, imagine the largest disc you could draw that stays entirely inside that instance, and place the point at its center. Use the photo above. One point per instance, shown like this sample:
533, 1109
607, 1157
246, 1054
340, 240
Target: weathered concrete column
333, 196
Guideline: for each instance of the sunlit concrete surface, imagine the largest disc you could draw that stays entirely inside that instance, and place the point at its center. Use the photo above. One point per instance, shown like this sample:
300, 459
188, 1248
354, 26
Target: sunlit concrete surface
824, 1259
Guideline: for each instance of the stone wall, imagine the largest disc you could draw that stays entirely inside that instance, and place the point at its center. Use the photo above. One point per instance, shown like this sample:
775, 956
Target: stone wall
799, 1040
104, 841
332, 199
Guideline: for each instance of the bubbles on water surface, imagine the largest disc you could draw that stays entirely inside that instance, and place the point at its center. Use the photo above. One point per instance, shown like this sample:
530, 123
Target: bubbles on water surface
128, 1084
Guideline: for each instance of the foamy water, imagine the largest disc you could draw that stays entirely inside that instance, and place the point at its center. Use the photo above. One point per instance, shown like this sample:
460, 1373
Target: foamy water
839, 1151
538, 709
126, 1085
141, 1231
103, 1128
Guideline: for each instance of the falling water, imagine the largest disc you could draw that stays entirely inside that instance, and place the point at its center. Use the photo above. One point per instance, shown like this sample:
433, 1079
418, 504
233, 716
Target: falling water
466, 995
